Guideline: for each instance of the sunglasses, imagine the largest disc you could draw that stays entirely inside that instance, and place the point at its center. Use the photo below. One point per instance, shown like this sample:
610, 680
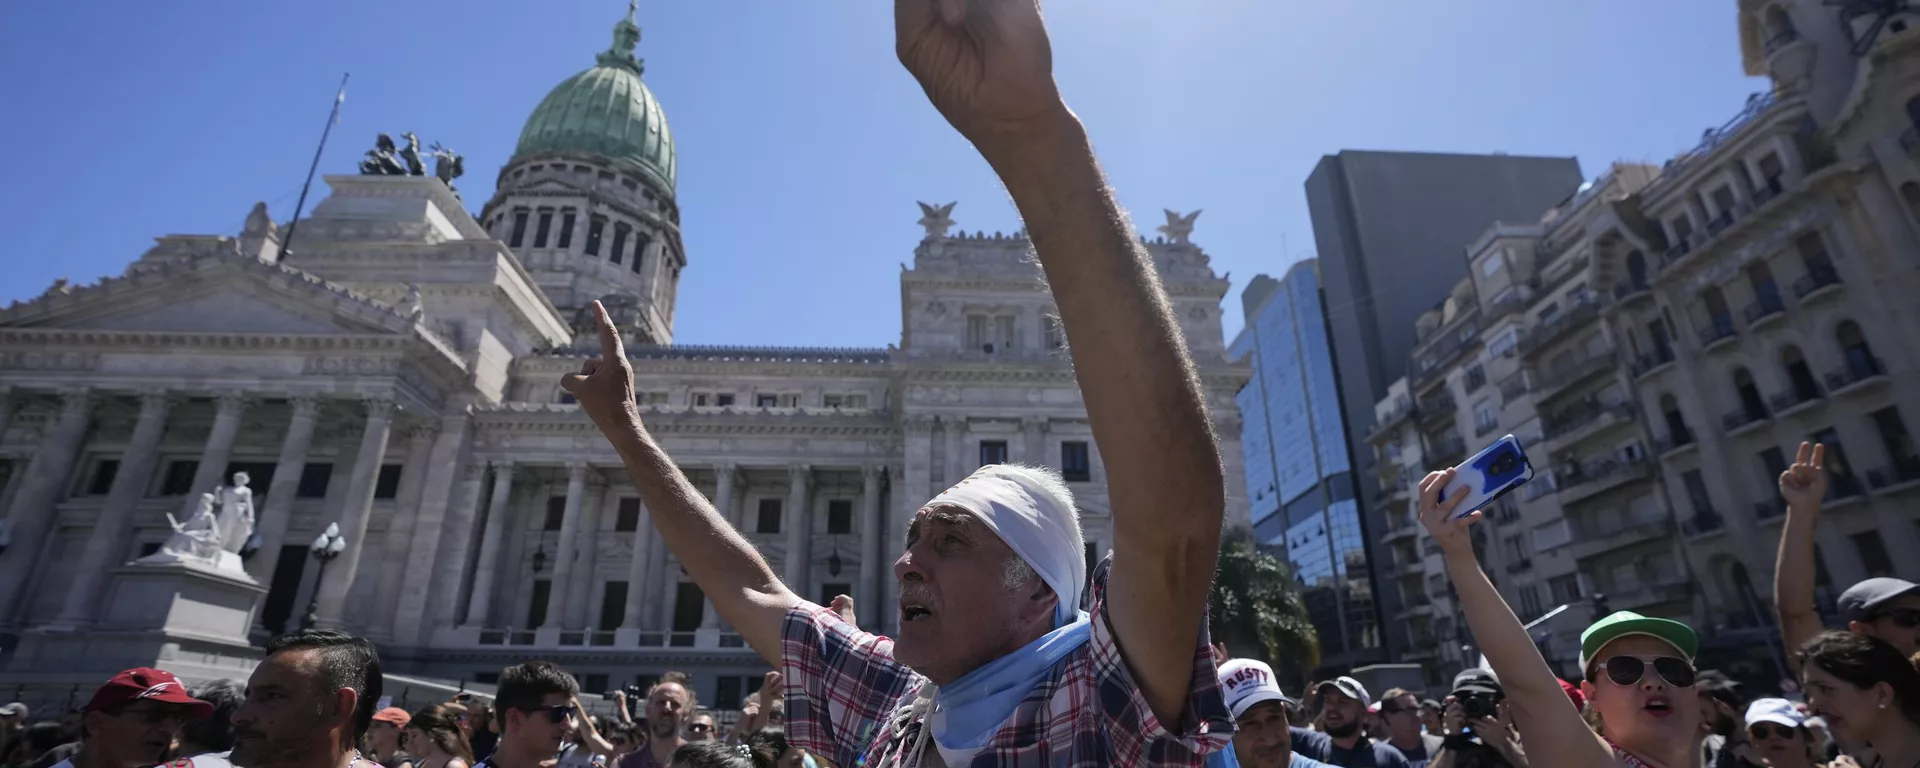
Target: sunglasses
559, 713
1771, 731
1905, 618
699, 728
1629, 670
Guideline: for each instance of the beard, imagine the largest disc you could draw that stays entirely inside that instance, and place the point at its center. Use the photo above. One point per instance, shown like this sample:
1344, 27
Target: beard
255, 750
1343, 731
663, 729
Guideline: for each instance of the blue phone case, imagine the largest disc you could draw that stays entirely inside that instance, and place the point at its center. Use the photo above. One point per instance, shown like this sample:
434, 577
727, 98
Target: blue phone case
1477, 477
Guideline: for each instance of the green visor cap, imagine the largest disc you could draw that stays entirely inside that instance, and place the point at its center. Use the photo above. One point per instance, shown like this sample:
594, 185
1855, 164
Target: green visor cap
1623, 623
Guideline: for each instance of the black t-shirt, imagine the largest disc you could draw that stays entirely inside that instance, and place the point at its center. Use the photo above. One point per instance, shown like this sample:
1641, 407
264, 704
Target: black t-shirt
1365, 753
395, 760
483, 741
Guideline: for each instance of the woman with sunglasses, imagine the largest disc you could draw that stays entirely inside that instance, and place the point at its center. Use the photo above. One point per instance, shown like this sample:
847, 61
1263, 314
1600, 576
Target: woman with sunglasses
1639, 669
1777, 731
434, 739
1867, 692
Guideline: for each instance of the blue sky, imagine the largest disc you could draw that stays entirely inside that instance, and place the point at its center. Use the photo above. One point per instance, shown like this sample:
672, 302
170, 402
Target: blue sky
803, 144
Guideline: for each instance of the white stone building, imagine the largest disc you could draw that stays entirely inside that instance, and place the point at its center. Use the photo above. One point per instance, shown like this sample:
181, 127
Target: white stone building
396, 371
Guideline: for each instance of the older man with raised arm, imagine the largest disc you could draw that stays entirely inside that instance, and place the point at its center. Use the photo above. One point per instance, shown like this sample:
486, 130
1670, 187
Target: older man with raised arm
996, 664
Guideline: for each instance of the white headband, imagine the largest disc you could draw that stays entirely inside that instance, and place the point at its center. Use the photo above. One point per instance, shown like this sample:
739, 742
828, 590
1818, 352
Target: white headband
1039, 523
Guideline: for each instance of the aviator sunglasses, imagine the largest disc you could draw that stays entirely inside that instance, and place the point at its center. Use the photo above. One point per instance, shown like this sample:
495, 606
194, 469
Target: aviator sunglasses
1905, 618
1628, 670
1760, 731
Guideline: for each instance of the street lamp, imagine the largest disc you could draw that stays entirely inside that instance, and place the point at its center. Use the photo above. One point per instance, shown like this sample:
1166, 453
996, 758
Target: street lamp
327, 546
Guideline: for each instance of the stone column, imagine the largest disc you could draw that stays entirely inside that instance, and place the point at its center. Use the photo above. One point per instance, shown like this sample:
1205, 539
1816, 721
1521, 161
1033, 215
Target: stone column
638, 569
586, 552
480, 604
397, 545
867, 592
211, 474
958, 465
914, 490
568, 551
31, 515
1034, 429
358, 507
660, 584
277, 511
110, 533
7, 403
725, 477
799, 528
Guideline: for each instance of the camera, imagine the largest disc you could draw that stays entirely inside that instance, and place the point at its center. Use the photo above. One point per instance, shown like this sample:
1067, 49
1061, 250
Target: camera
1477, 705
1503, 464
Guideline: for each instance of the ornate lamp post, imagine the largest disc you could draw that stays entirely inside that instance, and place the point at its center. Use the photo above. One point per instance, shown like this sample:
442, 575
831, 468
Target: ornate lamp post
324, 549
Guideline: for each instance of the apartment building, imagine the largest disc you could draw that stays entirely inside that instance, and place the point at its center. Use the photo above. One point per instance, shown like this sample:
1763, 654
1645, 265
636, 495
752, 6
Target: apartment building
1664, 340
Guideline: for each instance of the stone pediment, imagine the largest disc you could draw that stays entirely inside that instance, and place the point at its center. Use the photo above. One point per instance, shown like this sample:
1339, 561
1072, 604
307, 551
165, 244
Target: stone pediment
215, 292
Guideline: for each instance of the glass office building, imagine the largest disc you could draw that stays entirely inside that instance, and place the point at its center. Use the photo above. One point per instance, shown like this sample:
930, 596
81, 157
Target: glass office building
1299, 478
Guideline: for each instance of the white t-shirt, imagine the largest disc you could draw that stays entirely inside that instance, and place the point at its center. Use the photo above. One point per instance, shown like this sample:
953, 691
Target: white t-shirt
67, 763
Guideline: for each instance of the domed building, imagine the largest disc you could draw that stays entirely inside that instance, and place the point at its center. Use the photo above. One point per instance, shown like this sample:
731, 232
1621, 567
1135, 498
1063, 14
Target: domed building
396, 376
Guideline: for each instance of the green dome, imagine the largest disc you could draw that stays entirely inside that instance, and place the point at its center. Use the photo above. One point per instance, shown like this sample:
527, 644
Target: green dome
605, 111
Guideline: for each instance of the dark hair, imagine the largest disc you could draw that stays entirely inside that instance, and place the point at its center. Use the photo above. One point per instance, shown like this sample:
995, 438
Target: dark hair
1433, 703
772, 740
347, 661
1716, 684
214, 733
1394, 693
440, 723
719, 754
524, 686
1864, 661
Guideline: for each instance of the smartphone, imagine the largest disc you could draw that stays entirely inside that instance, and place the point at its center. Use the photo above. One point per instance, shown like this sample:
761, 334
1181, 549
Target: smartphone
1488, 475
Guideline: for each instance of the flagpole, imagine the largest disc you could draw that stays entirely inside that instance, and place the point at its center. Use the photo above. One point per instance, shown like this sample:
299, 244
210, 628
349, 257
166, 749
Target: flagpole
286, 245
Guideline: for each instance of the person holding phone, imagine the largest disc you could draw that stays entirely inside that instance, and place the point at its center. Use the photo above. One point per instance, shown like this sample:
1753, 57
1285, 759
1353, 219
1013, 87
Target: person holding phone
1639, 670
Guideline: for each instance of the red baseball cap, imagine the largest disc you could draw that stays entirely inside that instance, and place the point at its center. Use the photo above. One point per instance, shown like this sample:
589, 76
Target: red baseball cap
151, 684
1573, 693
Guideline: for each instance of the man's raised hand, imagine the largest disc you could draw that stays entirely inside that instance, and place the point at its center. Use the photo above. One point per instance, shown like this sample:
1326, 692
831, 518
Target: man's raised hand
604, 385
986, 64
1804, 484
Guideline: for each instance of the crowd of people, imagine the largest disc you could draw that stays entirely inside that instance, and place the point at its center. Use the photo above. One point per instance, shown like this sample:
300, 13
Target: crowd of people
1013, 650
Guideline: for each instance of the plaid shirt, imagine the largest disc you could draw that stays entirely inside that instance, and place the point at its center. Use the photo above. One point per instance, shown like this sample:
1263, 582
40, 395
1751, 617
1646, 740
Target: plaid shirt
847, 699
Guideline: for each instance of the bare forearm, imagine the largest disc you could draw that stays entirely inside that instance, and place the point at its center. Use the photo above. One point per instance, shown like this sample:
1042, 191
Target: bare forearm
1143, 399
1793, 580
728, 569
1539, 704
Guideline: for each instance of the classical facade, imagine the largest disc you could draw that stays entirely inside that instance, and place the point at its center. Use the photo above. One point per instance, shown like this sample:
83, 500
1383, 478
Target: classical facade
1664, 340
395, 371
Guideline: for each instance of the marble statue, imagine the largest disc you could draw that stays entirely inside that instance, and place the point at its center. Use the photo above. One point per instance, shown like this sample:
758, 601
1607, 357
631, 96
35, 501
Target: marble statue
1179, 229
195, 541
383, 159
416, 309
937, 219
236, 513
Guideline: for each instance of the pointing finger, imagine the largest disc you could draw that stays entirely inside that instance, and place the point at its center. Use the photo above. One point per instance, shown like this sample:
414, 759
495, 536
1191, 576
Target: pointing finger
610, 346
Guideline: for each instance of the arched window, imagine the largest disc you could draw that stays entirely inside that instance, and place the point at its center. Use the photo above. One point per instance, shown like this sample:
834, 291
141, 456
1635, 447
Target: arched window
1719, 317
1799, 376
1750, 402
1910, 192
1637, 270
1859, 356
1677, 432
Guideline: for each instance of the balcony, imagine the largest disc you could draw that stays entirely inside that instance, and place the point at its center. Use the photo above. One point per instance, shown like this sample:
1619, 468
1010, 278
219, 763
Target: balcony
1638, 597
1899, 476
1719, 333
1483, 428
1719, 224
1770, 509
1652, 363
1843, 488
1593, 541
1512, 389
1520, 565
1449, 450
1400, 525
1821, 281
1765, 310
1795, 401
1594, 478
1583, 309
1553, 382
1387, 493
1632, 291
1476, 378
1703, 522
1743, 421
1435, 407
1515, 301
1402, 408
1672, 445
1679, 250
1860, 372
1568, 428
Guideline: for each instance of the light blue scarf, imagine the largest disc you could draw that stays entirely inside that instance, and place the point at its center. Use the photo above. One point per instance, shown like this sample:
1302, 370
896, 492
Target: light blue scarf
966, 711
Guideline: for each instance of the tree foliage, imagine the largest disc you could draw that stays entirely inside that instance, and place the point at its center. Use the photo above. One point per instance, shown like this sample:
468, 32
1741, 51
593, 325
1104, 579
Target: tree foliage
1257, 610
